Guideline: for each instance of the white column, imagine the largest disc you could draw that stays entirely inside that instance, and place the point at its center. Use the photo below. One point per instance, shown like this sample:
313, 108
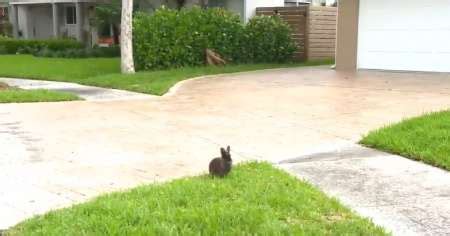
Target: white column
55, 20
79, 16
15, 20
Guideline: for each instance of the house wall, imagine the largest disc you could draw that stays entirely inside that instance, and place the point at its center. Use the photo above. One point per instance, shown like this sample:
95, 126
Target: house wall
24, 22
41, 27
347, 35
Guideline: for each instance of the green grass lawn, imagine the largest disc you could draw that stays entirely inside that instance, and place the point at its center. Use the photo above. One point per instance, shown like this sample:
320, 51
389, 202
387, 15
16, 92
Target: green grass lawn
41, 95
425, 138
255, 199
104, 72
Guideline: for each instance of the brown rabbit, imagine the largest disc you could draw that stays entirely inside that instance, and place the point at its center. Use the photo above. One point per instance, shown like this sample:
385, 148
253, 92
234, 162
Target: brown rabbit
221, 166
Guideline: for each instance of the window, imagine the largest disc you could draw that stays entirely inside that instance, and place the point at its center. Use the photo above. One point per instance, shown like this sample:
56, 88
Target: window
71, 15
3, 11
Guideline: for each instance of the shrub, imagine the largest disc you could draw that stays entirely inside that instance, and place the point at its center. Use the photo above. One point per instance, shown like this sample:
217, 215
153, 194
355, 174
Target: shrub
79, 52
14, 46
113, 51
268, 39
171, 38
5, 29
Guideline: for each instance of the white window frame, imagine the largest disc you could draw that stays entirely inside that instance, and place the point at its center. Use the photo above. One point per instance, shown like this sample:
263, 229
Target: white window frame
74, 19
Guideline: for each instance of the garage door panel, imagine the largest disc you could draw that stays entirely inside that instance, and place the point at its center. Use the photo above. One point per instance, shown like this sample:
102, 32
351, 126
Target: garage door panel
395, 35
403, 41
406, 61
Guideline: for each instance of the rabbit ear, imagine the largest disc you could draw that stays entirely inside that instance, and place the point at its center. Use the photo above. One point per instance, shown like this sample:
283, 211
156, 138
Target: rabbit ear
223, 152
228, 149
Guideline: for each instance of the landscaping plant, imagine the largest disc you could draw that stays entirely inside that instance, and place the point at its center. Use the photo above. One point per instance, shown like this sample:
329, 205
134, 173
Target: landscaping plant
177, 38
20, 46
172, 38
113, 51
268, 39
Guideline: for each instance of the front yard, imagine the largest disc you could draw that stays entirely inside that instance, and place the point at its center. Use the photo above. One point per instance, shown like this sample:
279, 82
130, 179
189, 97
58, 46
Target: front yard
104, 72
425, 138
255, 199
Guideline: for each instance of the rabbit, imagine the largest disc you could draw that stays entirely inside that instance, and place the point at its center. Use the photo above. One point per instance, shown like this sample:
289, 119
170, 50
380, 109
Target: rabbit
221, 166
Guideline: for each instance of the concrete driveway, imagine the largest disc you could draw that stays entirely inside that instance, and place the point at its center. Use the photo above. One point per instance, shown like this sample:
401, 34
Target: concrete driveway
56, 154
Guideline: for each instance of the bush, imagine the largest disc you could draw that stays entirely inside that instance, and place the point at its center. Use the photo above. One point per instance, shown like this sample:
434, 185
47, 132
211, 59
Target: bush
171, 38
15, 46
79, 52
5, 29
268, 39
113, 51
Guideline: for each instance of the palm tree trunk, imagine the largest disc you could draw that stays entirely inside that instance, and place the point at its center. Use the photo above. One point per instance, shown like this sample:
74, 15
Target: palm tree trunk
126, 38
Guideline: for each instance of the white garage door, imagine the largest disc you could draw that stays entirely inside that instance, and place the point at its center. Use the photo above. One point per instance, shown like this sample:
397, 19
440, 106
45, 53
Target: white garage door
404, 35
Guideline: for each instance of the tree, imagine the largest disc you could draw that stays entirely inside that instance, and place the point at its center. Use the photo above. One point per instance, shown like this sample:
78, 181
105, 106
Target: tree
126, 38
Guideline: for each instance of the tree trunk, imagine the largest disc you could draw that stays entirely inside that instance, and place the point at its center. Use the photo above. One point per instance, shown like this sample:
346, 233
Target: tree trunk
126, 38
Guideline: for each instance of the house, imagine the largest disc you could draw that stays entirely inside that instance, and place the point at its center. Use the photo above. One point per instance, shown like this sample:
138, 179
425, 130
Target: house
411, 35
43, 19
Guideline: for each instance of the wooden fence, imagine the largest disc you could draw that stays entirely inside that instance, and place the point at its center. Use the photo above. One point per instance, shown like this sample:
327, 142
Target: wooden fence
313, 29
321, 32
296, 18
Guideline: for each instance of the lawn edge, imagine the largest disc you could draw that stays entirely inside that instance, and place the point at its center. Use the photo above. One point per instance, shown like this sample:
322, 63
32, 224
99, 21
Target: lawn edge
399, 153
404, 155
288, 174
174, 89
76, 98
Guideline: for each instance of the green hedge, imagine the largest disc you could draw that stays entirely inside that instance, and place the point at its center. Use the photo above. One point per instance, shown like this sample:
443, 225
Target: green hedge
268, 39
15, 46
105, 52
5, 29
171, 38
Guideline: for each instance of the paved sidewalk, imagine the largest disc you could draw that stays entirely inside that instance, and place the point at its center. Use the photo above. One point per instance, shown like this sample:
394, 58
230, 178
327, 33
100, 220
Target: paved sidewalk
88, 93
404, 196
